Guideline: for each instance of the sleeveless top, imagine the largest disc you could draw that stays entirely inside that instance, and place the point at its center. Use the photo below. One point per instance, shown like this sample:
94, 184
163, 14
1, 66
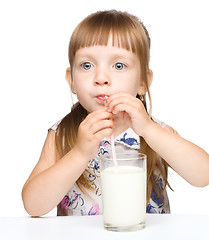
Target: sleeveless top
75, 202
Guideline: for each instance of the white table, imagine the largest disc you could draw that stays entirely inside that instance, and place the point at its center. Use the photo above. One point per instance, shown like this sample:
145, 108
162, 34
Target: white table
166, 226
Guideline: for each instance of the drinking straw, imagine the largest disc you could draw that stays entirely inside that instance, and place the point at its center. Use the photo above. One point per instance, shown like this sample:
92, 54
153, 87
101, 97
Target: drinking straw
113, 150
112, 140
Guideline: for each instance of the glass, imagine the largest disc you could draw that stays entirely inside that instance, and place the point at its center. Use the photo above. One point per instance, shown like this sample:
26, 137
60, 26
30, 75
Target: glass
124, 192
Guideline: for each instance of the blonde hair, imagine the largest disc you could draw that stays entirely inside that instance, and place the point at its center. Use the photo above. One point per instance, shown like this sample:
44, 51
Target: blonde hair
127, 32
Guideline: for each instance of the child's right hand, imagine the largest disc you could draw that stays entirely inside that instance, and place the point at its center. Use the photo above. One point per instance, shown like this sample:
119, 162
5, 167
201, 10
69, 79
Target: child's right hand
96, 126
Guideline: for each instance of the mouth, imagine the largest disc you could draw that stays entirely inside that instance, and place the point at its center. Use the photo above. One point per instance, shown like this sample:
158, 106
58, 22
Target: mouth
102, 98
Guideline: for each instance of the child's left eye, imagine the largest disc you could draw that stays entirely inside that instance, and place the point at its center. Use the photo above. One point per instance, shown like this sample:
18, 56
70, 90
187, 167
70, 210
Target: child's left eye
119, 66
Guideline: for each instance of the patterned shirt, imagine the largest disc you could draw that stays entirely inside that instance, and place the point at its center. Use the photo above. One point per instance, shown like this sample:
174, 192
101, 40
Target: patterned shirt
76, 202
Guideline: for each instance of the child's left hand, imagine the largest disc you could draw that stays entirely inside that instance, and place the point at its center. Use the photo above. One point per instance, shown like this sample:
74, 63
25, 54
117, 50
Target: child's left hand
131, 109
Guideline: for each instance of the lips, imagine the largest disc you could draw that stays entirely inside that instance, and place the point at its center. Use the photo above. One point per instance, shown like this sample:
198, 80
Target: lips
102, 98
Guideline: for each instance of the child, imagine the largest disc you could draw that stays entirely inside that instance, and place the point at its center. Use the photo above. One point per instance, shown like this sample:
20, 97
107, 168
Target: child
109, 72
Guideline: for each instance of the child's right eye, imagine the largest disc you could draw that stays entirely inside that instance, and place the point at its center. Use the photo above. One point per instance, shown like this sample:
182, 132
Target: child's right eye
86, 65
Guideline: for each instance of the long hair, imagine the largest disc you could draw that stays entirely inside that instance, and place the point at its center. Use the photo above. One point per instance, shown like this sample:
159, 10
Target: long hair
127, 32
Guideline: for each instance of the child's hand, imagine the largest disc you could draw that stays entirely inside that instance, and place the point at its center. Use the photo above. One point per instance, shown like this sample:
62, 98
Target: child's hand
96, 126
131, 109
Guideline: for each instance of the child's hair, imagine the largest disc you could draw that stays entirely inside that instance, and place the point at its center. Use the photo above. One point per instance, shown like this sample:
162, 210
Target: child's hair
127, 32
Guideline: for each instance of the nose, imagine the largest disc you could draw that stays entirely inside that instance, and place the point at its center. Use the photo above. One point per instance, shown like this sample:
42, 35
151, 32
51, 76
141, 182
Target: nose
102, 78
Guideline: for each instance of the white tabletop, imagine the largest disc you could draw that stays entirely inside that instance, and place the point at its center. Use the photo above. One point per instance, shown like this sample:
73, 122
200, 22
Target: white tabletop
164, 226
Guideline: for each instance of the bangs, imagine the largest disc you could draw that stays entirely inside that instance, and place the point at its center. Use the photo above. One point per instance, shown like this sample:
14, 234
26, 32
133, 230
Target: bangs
98, 27
97, 30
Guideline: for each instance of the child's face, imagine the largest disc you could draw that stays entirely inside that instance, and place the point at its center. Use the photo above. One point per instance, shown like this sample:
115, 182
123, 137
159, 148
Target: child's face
101, 71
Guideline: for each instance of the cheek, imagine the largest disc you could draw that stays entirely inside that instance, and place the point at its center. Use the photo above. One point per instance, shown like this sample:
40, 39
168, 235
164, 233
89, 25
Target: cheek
136, 81
130, 84
133, 90
80, 92
79, 85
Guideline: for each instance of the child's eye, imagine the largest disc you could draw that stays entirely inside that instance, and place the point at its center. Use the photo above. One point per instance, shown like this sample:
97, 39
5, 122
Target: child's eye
86, 65
119, 66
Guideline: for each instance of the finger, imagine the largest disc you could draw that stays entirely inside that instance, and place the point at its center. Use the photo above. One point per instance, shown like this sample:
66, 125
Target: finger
121, 101
97, 116
90, 115
104, 133
97, 122
101, 125
122, 107
116, 95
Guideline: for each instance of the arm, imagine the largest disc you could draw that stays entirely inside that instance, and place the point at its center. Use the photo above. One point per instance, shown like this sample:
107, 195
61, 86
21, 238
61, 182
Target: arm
52, 178
187, 159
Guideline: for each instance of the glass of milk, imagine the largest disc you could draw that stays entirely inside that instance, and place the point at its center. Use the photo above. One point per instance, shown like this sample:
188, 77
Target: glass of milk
124, 192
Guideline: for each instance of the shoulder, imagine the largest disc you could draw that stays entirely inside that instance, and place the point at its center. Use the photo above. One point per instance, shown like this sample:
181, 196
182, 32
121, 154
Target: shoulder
49, 152
55, 126
48, 156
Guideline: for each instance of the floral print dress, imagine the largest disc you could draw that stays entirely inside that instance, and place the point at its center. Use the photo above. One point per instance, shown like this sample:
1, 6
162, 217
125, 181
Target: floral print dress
75, 202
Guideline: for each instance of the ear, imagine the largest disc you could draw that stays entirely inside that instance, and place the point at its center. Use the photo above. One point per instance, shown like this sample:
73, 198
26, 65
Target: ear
143, 88
69, 79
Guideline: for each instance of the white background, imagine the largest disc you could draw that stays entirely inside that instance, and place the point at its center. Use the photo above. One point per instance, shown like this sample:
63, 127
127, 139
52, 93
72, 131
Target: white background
34, 94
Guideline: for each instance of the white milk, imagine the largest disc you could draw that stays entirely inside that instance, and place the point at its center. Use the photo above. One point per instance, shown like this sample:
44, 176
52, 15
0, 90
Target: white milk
124, 195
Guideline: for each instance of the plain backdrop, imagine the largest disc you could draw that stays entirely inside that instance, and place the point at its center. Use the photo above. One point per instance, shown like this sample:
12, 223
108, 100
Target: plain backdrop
34, 94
